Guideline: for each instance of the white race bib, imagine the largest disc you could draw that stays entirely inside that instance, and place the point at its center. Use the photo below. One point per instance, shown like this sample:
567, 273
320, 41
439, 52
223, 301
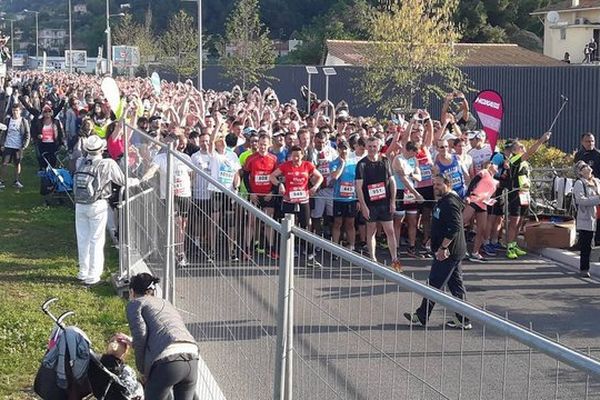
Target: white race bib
226, 177
376, 191
347, 189
261, 179
298, 196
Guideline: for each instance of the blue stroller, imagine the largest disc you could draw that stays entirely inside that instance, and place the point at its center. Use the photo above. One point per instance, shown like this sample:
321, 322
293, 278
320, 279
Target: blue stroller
56, 183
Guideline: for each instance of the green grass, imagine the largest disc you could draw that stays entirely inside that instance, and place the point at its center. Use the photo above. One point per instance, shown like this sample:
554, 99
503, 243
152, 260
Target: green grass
38, 260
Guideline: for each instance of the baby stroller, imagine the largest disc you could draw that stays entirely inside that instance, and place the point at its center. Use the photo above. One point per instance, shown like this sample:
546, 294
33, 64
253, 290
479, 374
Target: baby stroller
74, 376
56, 183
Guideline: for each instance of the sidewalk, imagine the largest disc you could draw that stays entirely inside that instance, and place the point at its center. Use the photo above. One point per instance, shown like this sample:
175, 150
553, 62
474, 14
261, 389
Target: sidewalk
569, 259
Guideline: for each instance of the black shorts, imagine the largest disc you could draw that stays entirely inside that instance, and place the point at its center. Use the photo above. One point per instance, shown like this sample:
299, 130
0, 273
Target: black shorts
262, 203
11, 155
498, 208
220, 203
182, 206
515, 209
380, 213
301, 211
400, 206
345, 209
428, 197
477, 208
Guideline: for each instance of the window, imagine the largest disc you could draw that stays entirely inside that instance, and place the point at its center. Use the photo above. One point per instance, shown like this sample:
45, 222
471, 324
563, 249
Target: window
563, 33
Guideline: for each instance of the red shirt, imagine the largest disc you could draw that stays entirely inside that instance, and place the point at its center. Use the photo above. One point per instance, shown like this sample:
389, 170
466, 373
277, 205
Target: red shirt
296, 181
260, 167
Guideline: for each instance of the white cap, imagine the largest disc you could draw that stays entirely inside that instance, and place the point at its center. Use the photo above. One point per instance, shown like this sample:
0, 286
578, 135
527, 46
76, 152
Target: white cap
94, 144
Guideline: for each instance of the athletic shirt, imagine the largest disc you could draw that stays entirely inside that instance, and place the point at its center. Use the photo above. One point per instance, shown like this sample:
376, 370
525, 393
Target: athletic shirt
48, 133
480, 156
376, 180
455, 174
321, 159
519, 172
425, 165
200, 187
260, 167
182, 185
344, 188
14, 140
485, 189
223, 168
296, 181
409, 166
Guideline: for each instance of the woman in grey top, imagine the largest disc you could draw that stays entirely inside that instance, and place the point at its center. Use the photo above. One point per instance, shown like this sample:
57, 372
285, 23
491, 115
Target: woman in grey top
586, 192
165, 351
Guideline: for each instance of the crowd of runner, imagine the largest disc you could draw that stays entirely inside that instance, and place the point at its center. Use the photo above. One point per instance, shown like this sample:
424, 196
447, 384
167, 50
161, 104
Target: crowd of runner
361, 182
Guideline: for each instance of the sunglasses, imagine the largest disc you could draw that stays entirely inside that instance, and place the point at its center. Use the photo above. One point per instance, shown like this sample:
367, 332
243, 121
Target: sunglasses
442, 147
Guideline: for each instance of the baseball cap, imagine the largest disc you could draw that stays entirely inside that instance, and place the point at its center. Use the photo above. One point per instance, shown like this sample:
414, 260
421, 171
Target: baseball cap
476, 135
279, 133
249, 131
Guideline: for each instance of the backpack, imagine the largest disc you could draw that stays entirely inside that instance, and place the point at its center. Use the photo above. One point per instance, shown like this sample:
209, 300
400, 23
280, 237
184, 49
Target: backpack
86, 187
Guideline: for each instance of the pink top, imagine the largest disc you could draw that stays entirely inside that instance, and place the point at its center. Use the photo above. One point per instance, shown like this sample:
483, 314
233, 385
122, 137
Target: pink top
482, 194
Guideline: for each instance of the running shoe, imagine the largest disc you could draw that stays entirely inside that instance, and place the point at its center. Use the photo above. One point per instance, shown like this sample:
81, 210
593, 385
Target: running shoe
489, 250
18, 184
476, 257
412, 252
511, 254
2, 185
456, 324
312, 262
413, 318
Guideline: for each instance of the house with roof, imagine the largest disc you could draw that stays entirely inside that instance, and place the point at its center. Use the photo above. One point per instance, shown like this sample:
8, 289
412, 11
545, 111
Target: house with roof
569, 26
352, 53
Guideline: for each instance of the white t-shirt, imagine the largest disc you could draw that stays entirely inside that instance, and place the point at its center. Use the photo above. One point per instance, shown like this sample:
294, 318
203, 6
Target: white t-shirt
480, 156
200, 185
182, 184
14, 140
223, 168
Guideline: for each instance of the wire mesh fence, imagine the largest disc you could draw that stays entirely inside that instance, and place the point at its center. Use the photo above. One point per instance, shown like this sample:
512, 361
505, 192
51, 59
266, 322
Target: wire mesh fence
279, 312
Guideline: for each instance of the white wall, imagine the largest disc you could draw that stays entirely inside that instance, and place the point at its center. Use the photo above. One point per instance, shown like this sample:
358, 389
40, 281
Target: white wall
577, 36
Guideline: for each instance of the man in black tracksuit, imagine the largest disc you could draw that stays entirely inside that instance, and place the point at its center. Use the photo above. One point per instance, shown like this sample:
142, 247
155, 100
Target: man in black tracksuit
449, 244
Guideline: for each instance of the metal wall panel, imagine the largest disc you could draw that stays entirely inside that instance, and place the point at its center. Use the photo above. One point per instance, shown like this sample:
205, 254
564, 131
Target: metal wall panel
531, 95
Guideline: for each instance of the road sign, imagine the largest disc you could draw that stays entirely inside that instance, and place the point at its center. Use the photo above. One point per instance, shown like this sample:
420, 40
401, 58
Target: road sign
126, 56
79, 58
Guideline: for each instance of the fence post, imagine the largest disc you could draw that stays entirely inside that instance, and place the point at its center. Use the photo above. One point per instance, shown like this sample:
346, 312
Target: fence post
506, 224
282, 382
170, 261
125, 210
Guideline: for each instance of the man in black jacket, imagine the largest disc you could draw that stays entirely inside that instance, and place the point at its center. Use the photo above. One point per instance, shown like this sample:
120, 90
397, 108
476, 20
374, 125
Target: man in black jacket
449, 244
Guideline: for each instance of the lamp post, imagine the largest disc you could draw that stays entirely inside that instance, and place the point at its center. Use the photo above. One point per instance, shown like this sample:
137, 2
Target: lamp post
310, 71
108, 44
70, 40
199, 42
12, 35
37, 32
328, 71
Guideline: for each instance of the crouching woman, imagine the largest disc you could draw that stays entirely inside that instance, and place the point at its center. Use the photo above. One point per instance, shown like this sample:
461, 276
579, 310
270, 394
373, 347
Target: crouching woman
165, 351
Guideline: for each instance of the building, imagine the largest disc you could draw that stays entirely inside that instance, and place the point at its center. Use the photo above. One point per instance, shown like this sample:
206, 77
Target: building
568, 26
80, 8
281, 47
350, 52
53, 39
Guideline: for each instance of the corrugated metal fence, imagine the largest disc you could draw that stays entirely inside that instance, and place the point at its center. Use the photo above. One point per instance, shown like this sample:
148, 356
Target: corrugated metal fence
531, 95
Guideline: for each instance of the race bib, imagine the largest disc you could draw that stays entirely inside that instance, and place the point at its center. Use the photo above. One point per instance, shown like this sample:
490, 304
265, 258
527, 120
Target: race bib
409, 198
524, 198
376, 191
226, 177
425, 172
456, 180
261, 180
346, 189
298, 196
324, 170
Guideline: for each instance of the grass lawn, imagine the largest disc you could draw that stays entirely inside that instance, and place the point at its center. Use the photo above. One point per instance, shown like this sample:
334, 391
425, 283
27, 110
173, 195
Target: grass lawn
38, 260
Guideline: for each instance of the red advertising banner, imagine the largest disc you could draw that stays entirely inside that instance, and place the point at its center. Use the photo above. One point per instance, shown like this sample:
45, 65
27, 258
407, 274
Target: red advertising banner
490, 109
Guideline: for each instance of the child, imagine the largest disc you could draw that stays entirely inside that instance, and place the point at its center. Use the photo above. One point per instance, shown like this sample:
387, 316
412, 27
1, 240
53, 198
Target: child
113, 360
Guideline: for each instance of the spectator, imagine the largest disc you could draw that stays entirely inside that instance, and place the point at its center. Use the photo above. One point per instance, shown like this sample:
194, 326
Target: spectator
165, 351
13, 141
586, 192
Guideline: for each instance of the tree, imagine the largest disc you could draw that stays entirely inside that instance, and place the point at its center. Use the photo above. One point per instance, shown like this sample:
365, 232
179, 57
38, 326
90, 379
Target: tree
411, 54
246, 51
180, 45
130, 33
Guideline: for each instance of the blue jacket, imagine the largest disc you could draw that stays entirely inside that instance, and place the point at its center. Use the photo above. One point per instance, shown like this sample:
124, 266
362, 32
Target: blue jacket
78, 344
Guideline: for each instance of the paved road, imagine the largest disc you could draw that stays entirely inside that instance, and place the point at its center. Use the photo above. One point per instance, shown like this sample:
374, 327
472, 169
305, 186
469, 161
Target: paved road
351, 341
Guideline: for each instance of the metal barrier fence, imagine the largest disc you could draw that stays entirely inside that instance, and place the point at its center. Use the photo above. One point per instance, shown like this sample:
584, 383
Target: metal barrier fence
280, 313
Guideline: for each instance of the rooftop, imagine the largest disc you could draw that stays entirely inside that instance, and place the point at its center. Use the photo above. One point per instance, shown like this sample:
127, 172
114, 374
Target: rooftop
567, 5
475, 54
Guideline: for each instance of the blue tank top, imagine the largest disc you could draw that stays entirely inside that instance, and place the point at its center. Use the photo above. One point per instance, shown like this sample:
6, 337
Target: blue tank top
455, 174
344, 188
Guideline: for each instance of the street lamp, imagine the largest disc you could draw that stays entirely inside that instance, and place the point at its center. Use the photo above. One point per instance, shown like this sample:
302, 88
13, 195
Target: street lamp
328, 71
12, 35
310, 71
108, 38
37, 32
70, 41
199, 42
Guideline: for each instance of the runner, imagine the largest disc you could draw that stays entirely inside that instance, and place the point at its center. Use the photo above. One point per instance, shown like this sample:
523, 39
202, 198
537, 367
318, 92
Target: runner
321, 155
377, 197
257, 169
343, 175
296, 176
449, 164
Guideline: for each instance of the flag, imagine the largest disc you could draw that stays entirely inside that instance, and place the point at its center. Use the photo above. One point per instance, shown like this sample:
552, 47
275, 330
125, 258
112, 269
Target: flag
490, 109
